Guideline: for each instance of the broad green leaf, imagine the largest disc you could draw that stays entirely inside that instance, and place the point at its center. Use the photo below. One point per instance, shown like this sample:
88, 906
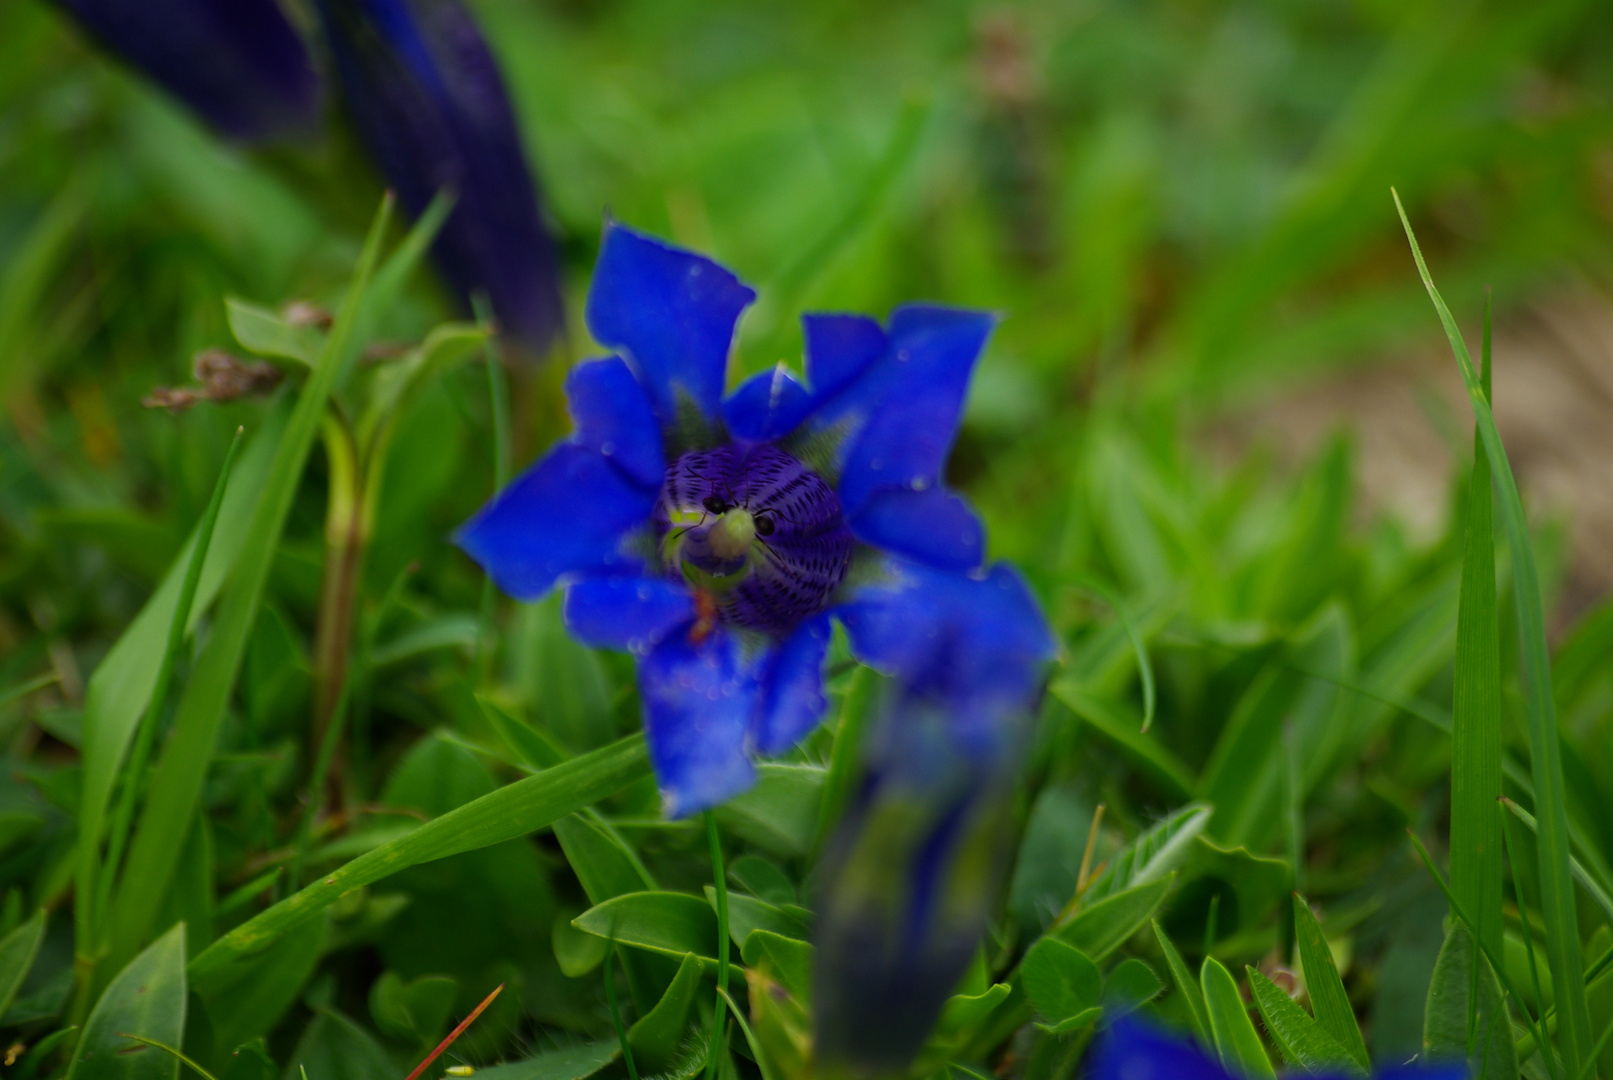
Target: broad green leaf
146, 998
559, 680
1236, 1042
413, 1010
1303, 1041
176, 780
530, 746
761, 879
605, 866
1129, 986
1071, 1024
1328, 998
656, 1036
963, 1012
1105, 926
674, 924
576, 951
17, 952
332, 1047
1556, 884
747, 914
786, 959
1457, 1028
1261, 882
266, 332
1059, 980
1157, 852
513, 810
248, 999
780, 812
1186, 985
569, 1063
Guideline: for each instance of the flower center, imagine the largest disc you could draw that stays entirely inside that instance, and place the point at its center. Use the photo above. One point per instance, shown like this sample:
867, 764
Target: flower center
756, 529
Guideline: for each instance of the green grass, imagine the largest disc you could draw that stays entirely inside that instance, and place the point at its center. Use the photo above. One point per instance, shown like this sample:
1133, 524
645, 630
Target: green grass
1262, 681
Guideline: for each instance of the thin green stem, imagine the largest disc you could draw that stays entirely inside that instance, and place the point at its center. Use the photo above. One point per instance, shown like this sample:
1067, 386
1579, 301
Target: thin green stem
1511, 845
616, 1013
750, 1038
720, 883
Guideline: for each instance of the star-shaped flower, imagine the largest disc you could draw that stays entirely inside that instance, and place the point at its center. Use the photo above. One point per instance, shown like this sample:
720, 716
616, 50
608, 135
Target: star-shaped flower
1133, 1050
715, 538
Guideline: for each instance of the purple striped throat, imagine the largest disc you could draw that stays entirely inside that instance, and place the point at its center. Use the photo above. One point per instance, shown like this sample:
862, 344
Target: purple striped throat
755, 530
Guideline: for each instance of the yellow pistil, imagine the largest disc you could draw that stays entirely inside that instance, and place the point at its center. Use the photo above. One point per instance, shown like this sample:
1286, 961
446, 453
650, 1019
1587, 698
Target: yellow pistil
731, 536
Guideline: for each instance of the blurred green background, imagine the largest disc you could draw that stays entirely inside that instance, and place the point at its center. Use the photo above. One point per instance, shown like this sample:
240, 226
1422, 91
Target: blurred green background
1181, 208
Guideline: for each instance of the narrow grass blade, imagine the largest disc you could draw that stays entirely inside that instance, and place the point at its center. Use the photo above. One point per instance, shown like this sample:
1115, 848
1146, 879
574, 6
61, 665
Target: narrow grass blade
513, 810
1145, 667
1476, 709
1592, 887
1302, 1040
1556, 886
176, 782
1236, 1041
846, 759
1188, 986
1328, 998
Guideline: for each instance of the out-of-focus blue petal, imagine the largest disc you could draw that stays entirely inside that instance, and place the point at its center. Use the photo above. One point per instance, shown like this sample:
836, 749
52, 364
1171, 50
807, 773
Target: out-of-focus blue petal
933, 526
1133, 1050
699, 698
838, 348
792, 688
910, 401
671, 314
630, 613
428, 102
1444, 1070
239, 64
612, 415
568, 514
766, 406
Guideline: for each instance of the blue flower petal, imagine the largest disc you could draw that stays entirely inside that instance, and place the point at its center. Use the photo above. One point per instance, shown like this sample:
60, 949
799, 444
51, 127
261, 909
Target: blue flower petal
838, 348
933, 526
429, 104
612, 415
239, 64
630, 613
1132, 1050
766, 406
671, 314
569, 513
792, 688
699, 698
921, 385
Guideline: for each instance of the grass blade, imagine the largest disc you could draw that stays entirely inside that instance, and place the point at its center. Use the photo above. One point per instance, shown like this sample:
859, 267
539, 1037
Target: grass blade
176, 782
1328, 998
1236, 1042
1556, 885
1302, 1040
513, 810
1476, 707
1189, 987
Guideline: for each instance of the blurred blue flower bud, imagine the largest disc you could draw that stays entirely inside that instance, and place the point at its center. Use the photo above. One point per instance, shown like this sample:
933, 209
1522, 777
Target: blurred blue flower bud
913, 871
427, 100
238, 63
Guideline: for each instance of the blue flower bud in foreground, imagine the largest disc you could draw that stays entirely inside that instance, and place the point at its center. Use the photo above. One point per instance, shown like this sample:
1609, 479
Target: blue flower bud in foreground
239, 64
429, 104
913, 872
1134, 1050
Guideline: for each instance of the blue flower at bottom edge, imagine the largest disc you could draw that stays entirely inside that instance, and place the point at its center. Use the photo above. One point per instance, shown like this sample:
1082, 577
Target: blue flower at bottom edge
716, 537
1133, 1050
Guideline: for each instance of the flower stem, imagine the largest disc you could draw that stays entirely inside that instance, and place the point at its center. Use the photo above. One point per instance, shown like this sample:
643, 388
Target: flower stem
345, 540
719, 882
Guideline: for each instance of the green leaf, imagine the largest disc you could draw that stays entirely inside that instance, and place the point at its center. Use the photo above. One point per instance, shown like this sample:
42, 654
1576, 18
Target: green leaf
963, 1012
657, 1035
604, 864
1303, 1041
1157, 852
415, 1010
248, 999
780, 812
1129, 986
845, 762
559, 680
747, 914
146, 998
17, 952
1587, 881
1060, 980
332, 1047
1105, 926
568, 1063
1236, 1042
265, 332
1456, 1028
1328, 997
1556, 884
575, 951
1115, 722
176, 780
675, 924
530, 746
762, 879
1186, 985
513, 810
786, 959
397, 384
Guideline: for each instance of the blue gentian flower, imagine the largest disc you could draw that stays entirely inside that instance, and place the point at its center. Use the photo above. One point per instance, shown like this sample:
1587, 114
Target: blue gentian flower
911, 877
428, 102
1133, 1050
238, 63
715, 538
